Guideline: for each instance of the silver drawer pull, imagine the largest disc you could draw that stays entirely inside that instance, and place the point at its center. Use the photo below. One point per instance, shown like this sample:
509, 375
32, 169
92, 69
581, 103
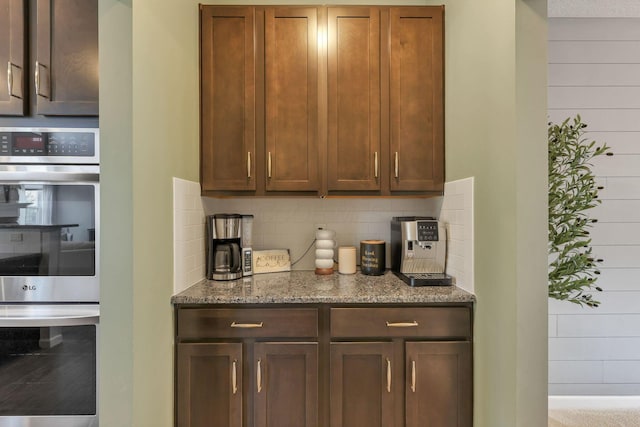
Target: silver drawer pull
246, 325
402, 324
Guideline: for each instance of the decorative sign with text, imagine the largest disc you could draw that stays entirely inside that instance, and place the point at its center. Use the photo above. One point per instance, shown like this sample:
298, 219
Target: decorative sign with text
271, 261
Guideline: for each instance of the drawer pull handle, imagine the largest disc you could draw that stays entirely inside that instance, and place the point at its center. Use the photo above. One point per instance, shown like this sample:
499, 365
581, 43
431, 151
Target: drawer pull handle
396, 166
259, 375
249, 164
413, 376
388, 375
375, 165
234, 377
402, 324
246, 325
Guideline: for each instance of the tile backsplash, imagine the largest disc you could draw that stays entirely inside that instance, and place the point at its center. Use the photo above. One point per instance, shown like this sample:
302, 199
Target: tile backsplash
290, 223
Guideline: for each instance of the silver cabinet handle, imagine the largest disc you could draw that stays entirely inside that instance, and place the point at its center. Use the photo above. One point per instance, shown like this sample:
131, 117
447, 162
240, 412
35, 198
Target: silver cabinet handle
402, 324
269, 165
9, 79
388, 375
375, 164
248, 164
413, 376
37, 78
246, 325
396, 165
234, 377
259, 375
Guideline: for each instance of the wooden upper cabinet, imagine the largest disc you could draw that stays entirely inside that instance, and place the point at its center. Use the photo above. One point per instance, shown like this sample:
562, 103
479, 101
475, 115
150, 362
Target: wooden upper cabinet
66, 62
416, 98
291, 99
228, 152
12, 57
353, 80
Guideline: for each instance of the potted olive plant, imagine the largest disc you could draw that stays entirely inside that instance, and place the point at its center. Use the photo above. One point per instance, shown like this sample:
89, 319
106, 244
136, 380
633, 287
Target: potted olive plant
573, 192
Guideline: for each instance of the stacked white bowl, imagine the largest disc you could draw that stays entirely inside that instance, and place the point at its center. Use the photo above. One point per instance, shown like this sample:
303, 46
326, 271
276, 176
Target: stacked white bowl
325, 243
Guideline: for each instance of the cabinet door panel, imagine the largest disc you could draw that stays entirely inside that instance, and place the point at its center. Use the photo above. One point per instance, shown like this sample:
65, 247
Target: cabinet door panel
291, 66
438, 390
361, 391
66, 68
12, 44
209, 383
286, 392
417, 101
354, 153
228, 99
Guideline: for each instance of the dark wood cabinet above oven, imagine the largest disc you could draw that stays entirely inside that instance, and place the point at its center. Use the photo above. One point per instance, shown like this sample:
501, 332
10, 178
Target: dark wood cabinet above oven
49, 57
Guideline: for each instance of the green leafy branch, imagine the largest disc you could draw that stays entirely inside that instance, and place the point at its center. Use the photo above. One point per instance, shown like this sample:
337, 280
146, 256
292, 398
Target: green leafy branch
572, 191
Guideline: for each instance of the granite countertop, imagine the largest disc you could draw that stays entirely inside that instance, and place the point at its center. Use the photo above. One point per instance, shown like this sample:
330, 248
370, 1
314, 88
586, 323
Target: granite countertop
305, 287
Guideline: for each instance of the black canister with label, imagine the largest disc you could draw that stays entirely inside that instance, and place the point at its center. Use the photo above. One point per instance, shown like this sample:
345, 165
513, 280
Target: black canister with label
372, 257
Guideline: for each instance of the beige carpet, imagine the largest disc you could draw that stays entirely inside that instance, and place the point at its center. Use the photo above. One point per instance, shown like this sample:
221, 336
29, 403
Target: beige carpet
594, 418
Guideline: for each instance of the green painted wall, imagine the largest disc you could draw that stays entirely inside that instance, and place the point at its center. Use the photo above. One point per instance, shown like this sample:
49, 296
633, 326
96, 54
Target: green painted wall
495, 128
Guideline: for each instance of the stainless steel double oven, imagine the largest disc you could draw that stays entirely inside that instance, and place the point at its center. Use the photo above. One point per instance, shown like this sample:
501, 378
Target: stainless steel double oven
49, 277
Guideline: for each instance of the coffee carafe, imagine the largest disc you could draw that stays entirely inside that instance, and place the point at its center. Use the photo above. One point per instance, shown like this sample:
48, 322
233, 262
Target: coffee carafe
224, 232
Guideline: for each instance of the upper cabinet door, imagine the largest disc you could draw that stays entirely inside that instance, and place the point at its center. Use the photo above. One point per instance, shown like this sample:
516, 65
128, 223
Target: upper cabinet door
66, 66
12, 53
291, 91
354, 152
417, 99
227, 59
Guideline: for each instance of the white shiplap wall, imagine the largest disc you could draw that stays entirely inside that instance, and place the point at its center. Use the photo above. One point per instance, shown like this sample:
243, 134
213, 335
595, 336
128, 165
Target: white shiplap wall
594, 70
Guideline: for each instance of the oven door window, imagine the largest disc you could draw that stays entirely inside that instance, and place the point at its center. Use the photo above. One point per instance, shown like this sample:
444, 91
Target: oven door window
47, 229
48, 370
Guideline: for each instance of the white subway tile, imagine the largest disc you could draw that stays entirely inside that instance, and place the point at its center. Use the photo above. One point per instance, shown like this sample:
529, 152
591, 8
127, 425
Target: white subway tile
617, 211
578, 349
615, 233
553, 325
619, 188
620, 142
599, 325
618, 256
594, 389
594, 29
622, 165
619, 279
622, 372
594, 75
594, 51
602, 119
575, 372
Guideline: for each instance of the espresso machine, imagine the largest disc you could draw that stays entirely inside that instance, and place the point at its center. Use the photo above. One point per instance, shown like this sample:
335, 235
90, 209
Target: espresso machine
223, 249
419, 251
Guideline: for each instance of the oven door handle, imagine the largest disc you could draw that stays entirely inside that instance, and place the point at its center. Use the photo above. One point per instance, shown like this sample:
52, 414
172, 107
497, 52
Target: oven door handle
43, 316
49, 173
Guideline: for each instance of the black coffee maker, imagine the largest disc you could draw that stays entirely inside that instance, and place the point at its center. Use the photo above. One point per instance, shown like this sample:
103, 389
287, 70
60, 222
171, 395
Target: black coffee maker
224, 232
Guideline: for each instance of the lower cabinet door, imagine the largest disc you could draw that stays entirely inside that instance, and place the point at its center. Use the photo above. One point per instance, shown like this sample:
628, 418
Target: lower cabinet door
286, 384
209, 385
361, 385
438, 385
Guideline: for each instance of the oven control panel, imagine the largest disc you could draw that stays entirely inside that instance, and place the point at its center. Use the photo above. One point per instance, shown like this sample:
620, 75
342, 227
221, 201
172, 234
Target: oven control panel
42, 145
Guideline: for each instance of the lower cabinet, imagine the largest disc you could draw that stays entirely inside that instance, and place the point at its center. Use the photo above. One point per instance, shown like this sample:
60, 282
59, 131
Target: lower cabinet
324, 366
208, 383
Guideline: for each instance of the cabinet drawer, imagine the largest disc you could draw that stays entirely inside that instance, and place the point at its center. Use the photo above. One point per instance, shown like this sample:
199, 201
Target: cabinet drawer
240, 323
437, 322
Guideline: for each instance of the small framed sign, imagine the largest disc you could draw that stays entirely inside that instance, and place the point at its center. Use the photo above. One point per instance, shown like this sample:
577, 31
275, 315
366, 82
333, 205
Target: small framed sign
271, 261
